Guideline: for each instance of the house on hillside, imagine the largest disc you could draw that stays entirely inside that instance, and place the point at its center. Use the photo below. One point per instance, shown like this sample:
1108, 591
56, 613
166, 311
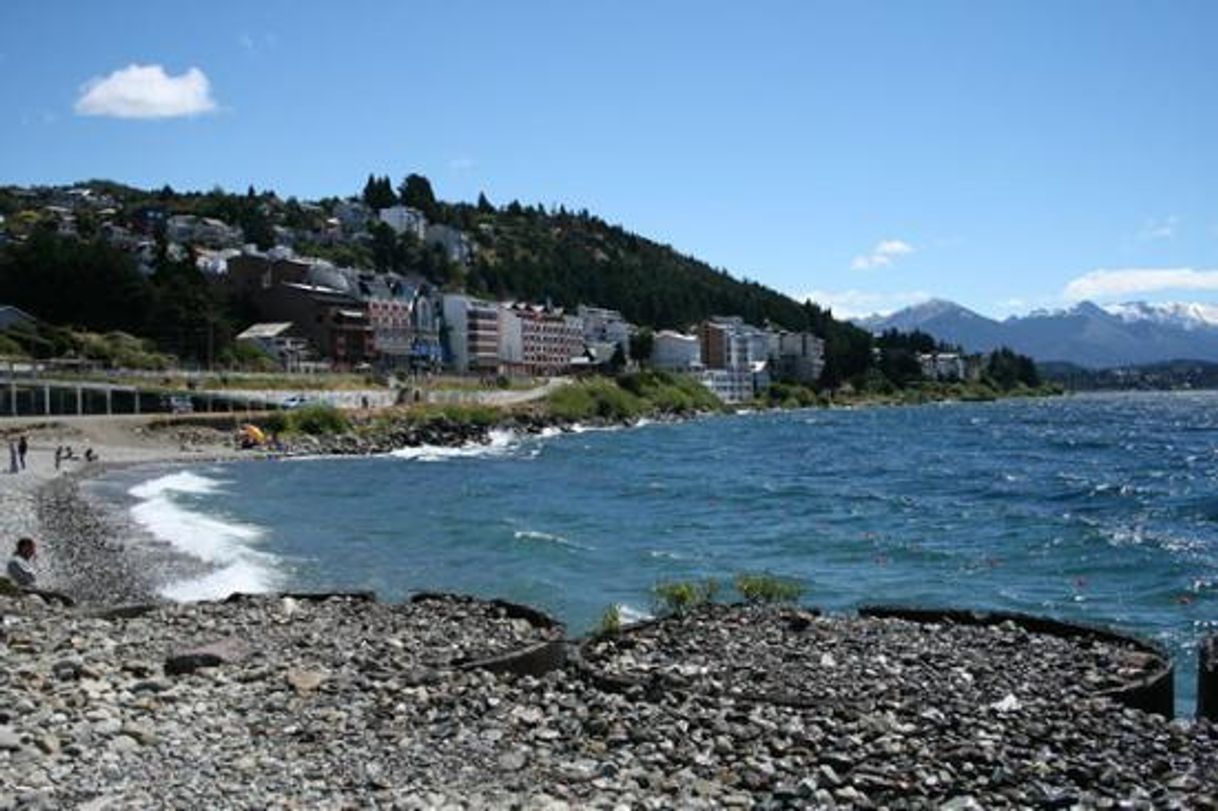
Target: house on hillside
321, 300
11, 316
405, 220
455, 243
279, 341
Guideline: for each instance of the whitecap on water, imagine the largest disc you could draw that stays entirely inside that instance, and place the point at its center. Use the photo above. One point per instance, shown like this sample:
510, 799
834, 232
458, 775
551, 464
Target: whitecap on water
664, 554
546, 537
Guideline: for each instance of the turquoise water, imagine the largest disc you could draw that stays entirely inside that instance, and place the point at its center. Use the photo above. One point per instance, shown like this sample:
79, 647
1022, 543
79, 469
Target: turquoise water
1098, 508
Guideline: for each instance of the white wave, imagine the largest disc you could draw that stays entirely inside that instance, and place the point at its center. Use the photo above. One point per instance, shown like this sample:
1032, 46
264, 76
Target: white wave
631, 615
245, 576
224, 545
545, 537
550, 431
181, 482
502, 442
663, 554
581, 428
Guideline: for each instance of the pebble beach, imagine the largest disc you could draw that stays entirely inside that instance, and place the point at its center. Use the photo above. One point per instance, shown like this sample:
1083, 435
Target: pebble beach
284, 701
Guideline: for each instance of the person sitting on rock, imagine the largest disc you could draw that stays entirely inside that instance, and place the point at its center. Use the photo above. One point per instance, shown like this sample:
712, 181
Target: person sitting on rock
21, 564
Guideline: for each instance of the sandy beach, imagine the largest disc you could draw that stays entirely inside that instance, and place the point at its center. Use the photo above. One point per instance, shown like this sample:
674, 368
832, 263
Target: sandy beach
82, 544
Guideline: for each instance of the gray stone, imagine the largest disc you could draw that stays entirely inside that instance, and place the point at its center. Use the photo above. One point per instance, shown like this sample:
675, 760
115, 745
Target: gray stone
214, 654
512, 761
304, 681
9, 739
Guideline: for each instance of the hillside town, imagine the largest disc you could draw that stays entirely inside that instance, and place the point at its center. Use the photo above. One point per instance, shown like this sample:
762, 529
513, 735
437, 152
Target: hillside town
311, 313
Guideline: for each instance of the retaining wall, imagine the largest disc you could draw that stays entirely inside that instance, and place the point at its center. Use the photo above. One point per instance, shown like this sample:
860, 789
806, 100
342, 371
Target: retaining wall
1153, 693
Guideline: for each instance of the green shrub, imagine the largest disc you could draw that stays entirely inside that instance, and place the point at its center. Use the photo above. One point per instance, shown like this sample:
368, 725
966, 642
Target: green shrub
768, 588
597, 397
275, 422
679, 596
317, 419
669, 393
472, 414
10, 348
573, 402
611, 621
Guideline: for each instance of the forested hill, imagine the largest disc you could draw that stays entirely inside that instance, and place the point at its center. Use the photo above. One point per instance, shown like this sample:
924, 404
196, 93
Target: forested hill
520, 252
578, 258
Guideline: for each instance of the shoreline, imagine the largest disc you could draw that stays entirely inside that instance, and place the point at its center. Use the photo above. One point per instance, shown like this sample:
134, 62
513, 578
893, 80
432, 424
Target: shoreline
91, 549
87, 549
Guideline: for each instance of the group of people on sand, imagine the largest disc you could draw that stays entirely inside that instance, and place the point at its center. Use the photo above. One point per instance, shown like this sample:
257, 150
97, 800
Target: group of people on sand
19, 447
64, 453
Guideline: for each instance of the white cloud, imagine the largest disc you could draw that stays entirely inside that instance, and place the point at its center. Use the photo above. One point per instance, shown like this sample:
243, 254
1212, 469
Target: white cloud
146, 91
1155, 229
882, 255
859, 303
1100, 284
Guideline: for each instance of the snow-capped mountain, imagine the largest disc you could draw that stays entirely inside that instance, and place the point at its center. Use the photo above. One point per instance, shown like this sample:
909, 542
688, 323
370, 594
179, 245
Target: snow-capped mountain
1182, 314
1086, 334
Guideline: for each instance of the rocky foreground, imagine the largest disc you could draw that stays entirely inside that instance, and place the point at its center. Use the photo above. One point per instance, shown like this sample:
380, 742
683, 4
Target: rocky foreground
283, 702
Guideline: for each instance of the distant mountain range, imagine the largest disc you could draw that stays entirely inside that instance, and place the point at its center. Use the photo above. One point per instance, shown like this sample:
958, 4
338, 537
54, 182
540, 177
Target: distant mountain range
1086, 334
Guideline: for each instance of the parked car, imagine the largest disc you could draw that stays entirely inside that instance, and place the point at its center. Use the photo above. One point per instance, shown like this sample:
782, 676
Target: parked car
294, 401
178, 404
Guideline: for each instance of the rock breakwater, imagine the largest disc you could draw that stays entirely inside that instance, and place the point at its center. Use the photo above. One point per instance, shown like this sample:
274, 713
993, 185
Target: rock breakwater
348, 703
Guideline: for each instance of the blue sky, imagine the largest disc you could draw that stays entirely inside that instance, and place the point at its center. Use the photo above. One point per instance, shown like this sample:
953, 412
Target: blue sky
1006, 155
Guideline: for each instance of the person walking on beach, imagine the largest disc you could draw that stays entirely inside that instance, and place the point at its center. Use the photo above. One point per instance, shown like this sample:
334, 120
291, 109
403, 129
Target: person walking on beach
58, 455
23, 447
12, 456
21, 564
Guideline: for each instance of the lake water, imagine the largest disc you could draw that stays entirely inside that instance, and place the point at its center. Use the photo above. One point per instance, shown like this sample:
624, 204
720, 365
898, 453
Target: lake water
1097, 508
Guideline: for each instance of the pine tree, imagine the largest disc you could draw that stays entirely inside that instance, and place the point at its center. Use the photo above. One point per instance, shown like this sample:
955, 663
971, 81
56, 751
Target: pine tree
416, 192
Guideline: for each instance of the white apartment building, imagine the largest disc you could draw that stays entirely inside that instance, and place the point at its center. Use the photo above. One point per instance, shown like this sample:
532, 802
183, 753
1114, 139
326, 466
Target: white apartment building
403, 220
799, 356
549, 339
473, 333
602, 326
675, 351
729, 343
729, 385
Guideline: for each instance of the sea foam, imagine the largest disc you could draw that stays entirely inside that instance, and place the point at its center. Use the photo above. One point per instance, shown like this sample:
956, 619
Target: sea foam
501, 443
226, 546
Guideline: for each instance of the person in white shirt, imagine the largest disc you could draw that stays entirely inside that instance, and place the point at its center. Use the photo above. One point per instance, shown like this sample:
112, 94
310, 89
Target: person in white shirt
21, 564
